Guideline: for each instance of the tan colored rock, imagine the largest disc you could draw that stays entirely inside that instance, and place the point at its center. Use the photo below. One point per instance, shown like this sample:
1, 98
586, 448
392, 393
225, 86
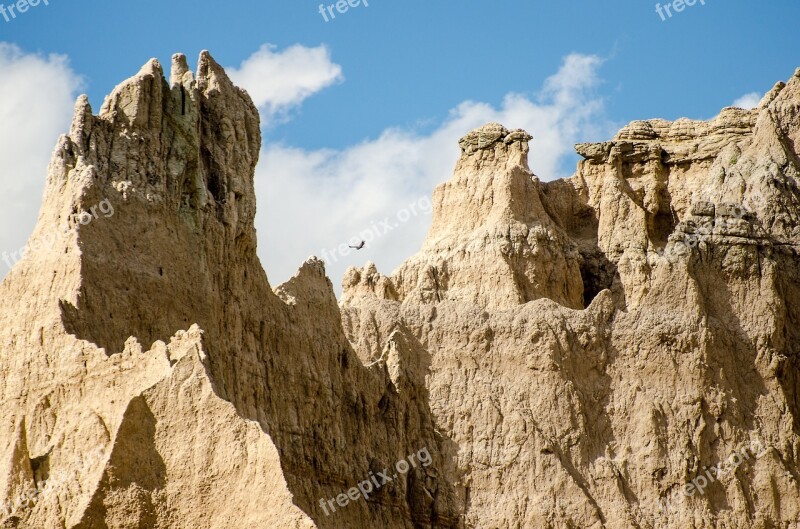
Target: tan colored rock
686, 354
557, 355
492, 242
250, 405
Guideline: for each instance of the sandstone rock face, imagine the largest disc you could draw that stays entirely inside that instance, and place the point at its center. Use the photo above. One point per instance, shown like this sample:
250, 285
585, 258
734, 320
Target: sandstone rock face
150, 375
492, 242
686, 353
572, 354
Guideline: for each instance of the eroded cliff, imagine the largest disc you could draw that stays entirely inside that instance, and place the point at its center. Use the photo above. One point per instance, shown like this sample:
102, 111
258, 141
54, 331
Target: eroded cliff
559, 354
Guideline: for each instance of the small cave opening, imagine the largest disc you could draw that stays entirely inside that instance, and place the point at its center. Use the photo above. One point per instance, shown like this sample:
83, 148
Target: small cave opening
41, 469
216, 187
215, 178
598, 274
661, 222
660, 226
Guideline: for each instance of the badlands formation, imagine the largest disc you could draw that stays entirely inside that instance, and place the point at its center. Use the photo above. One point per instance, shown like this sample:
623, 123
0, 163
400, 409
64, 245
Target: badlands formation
618, 349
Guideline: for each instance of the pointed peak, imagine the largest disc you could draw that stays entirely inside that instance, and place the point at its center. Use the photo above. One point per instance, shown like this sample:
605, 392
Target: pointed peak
770, 96
82, 104
81, 120
313, 266
209, 71
310, 283
151, 67
366, 283
83, 111
135, 96
180, 68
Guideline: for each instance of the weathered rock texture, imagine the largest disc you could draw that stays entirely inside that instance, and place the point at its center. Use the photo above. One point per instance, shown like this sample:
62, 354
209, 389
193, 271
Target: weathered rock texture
154, 336
571, 354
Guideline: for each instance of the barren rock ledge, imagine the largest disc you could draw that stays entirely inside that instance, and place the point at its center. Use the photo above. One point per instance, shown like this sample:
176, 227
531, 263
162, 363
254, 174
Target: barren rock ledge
618, 349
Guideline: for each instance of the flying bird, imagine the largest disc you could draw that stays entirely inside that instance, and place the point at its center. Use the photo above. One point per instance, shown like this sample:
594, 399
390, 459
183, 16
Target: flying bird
360, 246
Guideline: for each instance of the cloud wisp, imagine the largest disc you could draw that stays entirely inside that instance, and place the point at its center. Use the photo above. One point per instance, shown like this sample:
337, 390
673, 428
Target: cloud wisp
748, 101
39, 94
311, 200
280, 80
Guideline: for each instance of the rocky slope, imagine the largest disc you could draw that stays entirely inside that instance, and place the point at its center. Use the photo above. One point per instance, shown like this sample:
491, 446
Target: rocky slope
579, 353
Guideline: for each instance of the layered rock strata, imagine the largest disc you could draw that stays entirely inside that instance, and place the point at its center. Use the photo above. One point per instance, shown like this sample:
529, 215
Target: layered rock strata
558, 354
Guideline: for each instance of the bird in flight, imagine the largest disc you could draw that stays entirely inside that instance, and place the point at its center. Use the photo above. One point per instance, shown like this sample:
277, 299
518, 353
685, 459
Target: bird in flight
360, 246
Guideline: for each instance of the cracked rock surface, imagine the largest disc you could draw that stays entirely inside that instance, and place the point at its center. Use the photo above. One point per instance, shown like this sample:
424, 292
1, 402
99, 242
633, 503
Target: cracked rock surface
571, 354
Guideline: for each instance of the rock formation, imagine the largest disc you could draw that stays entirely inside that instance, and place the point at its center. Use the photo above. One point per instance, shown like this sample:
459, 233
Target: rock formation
584, 353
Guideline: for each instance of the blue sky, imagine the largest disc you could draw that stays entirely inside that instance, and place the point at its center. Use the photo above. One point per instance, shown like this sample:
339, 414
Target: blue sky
406, 70
410, 61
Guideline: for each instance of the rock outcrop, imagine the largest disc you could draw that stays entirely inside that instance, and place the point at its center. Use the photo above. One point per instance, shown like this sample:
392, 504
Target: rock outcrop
685, 238
149, 339
492, 242
589, 352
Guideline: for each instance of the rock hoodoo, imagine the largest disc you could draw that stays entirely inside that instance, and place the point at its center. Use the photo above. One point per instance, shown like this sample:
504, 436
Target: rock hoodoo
576, 353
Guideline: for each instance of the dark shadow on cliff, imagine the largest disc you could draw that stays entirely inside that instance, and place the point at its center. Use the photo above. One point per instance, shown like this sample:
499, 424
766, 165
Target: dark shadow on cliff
735, 376
788, 371
572, 212
134, 476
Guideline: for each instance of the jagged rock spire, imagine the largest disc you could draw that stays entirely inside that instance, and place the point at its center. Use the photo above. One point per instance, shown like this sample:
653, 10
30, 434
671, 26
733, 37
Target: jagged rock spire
492, 241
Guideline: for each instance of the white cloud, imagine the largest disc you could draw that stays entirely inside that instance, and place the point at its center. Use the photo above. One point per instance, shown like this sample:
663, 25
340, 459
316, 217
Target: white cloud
311, 201
38, 96
280, 80
748, 101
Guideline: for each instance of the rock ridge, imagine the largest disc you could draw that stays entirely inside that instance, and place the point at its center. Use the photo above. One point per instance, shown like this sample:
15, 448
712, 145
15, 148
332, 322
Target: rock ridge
572, 353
